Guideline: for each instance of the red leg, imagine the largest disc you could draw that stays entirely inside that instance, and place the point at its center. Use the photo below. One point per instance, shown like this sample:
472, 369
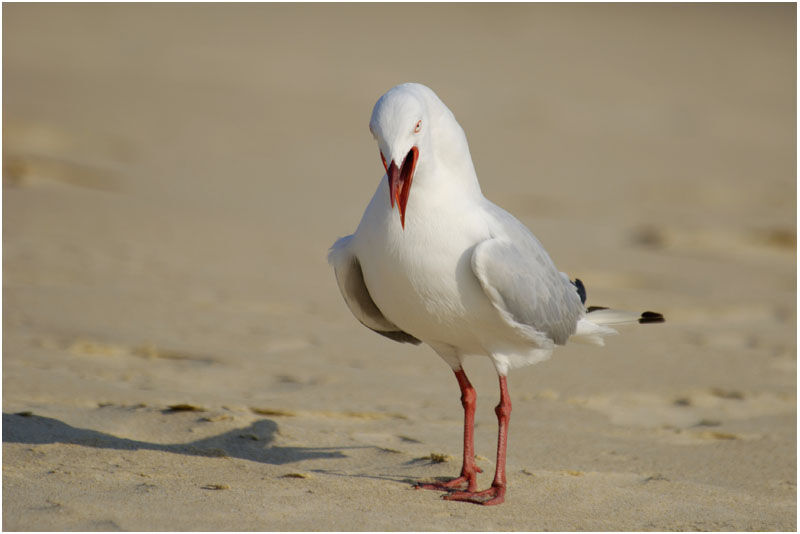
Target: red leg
495, 494
469, 471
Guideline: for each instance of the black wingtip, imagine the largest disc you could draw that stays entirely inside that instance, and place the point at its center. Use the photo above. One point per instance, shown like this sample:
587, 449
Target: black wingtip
590, 309
581, 289
649, 317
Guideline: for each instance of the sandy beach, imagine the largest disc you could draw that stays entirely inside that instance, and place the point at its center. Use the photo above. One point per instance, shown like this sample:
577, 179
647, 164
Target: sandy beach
176, 353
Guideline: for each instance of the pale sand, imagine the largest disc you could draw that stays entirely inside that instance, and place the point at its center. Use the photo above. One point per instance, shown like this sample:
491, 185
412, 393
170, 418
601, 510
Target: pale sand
174, 176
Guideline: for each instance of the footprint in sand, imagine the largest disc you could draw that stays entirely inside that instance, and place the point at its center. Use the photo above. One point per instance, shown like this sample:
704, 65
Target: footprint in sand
718, 242
688, 417
36, 154
83, 346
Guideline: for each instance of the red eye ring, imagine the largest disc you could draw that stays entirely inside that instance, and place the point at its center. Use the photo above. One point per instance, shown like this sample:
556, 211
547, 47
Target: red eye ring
418, 126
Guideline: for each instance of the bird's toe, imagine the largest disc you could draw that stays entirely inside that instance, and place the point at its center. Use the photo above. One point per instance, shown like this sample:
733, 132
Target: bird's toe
488, 497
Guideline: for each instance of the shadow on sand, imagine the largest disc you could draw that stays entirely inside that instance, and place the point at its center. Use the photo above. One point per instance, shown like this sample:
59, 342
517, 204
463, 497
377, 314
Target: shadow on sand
249, 443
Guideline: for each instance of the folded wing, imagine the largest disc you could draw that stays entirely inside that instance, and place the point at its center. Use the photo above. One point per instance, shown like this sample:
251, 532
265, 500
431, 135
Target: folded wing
527, 289
351, 283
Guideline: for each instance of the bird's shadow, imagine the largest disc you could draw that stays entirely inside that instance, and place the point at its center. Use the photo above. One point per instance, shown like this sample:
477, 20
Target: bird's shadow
253, 442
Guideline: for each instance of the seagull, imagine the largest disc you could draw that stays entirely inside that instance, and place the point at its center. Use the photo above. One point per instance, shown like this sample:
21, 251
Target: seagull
433, 261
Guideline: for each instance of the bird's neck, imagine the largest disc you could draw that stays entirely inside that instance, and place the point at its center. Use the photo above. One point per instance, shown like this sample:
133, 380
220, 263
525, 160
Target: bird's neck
450, 164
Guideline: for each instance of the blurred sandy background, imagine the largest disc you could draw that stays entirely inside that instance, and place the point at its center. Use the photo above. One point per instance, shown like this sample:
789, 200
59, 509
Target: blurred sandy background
174, 174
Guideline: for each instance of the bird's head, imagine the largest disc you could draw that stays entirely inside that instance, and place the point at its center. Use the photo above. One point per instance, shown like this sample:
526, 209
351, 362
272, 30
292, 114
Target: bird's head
417, 133
400, 124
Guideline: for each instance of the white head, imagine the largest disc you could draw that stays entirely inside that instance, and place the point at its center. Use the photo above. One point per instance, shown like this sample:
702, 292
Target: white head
416, 133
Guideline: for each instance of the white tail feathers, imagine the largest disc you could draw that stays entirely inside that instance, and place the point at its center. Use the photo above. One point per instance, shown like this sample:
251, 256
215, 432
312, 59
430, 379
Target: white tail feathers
597, 322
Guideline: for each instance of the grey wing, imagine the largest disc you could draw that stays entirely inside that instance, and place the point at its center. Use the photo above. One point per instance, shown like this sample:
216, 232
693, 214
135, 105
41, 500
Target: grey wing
351, 283
523, 284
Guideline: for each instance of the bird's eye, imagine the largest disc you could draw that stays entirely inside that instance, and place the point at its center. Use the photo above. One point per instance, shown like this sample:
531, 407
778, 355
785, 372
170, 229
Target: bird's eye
418, 126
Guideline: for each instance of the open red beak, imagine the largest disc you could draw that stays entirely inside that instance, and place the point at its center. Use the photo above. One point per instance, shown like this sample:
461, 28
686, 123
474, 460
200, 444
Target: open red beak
400, 181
